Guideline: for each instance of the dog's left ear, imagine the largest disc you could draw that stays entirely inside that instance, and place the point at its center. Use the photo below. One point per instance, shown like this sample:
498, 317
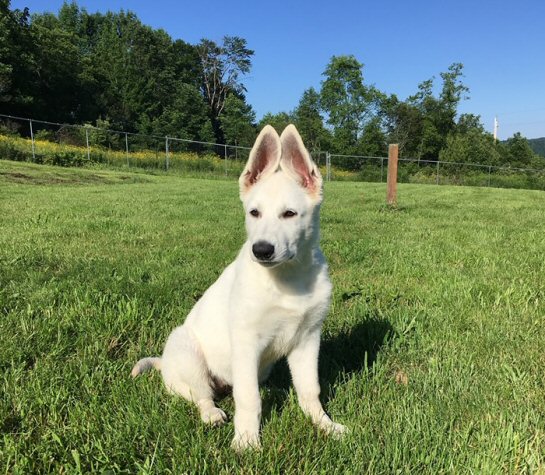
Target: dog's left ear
264, 159
296, 161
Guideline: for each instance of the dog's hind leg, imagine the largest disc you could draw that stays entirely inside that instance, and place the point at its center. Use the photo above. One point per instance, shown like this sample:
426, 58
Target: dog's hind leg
185, 373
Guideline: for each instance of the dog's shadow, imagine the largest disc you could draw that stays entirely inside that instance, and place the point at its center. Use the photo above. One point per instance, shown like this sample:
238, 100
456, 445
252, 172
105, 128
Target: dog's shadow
341, 356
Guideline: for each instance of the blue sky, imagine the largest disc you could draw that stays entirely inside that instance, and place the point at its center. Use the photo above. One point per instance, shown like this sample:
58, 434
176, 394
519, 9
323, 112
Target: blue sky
401, 43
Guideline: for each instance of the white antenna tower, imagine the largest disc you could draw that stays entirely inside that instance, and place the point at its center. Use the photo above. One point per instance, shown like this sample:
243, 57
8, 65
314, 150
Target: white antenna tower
495, 129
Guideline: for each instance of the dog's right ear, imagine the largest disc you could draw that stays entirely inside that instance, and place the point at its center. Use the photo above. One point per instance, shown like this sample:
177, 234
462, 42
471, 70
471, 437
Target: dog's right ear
264, 159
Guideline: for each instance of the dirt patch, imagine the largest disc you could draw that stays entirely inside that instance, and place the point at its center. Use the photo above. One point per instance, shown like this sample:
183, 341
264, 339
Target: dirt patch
16, 176
68, 179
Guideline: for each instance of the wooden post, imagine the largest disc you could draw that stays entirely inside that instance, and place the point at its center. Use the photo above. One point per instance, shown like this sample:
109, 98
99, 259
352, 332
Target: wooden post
391, 194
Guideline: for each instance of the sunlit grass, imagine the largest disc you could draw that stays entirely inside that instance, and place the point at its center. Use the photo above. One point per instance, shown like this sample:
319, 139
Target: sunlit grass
432, 353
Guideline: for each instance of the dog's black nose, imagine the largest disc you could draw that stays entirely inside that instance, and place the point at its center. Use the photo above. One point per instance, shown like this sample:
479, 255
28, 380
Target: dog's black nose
263, 250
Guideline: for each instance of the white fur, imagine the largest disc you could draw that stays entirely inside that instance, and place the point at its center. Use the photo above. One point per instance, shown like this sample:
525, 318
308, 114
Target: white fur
260, 309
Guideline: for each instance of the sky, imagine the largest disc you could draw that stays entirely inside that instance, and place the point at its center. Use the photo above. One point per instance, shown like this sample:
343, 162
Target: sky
400, 42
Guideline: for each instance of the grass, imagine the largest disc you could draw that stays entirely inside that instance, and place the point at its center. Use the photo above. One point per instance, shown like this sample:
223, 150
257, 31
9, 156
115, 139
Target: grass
432, 353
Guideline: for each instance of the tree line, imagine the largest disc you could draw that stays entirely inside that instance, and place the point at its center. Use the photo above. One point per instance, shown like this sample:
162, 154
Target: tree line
111, 70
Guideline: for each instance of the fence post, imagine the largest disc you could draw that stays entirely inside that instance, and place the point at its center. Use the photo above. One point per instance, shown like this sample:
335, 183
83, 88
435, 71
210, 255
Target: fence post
382, 169
328, 166
489, 173
32, 140
127, 149
87, 143
225, 157
166, 153
391, 193
437, 174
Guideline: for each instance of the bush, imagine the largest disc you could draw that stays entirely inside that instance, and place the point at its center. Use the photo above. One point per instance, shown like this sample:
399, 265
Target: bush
8, 151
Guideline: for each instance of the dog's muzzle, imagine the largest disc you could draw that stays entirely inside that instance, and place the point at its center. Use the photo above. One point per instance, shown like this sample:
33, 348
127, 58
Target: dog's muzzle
263, 251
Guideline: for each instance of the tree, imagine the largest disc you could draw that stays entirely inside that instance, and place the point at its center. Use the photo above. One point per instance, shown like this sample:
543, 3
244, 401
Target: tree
132, 64
58, 70
238, 121
16, 60
347, 102
279, 121
469, 122
403, 124
186, 117
471, 146
373, 139
452, 92
518, 152
185, 61
222, 69
439, 113
309, 121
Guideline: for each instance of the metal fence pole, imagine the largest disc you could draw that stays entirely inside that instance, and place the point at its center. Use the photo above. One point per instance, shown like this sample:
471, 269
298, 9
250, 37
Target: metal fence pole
87, 143
382, 169
489, 173
127, 149
166, 153
437, 174
328, 166
32, 141
225, 157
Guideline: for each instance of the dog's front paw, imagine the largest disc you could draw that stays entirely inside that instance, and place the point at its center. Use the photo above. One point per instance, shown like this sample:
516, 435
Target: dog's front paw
213, 415
334, 429
245, 441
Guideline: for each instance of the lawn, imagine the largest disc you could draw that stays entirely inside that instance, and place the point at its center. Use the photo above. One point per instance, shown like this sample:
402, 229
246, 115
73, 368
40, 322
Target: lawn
432, 353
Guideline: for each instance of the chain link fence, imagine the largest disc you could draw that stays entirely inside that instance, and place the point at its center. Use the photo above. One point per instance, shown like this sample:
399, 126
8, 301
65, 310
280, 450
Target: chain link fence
53, 143
40, 141
412, 170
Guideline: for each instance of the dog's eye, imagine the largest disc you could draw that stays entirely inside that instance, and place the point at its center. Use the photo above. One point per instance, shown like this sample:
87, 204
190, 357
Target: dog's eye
289, 214
254, 213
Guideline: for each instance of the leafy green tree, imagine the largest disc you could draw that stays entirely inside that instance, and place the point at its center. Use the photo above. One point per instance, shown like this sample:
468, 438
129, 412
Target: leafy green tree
452, 93
518, 153
346, 101
237, 121
310, 123
17, 72
438, 113
132, 65
472, 146
186, 117
58, 90
373, 139
469, 122
403, 123
279, 121
223, 67
185, 62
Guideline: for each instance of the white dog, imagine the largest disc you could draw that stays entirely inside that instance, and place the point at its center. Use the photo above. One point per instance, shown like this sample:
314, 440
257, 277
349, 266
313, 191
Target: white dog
269, 303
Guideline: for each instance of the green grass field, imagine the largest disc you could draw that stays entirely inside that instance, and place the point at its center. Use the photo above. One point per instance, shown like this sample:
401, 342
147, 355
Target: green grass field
432, 353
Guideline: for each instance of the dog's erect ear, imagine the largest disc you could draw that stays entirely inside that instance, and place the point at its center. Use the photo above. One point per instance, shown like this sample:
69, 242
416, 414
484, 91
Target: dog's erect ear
296, 161
264, 158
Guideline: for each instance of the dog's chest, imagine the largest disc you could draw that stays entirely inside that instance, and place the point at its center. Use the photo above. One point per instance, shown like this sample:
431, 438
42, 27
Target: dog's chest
289, 321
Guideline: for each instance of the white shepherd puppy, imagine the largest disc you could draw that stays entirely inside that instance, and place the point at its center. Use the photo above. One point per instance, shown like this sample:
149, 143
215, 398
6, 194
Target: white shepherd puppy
269, 303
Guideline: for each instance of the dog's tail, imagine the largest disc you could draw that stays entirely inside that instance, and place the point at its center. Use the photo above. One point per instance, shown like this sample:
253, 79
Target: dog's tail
145, 364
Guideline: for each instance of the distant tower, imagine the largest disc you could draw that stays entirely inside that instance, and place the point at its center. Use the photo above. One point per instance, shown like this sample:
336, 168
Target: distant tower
495, 129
